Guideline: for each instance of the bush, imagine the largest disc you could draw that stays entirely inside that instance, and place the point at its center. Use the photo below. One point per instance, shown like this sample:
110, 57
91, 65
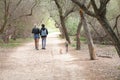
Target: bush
72, 24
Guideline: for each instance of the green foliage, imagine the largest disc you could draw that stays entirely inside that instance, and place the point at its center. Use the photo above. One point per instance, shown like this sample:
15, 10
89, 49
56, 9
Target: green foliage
73, 39
14, 43
72, 23
113, 9
50, 24
81, 39
73, 45
9, 45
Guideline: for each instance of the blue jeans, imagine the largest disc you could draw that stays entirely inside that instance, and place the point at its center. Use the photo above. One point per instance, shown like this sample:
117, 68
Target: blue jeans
43, 42
36, 36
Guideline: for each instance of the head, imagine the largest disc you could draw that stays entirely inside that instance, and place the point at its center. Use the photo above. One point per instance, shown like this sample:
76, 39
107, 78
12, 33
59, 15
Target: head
43, 25
35, 25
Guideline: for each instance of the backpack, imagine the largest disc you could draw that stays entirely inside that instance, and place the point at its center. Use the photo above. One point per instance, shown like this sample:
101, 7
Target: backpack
43, 32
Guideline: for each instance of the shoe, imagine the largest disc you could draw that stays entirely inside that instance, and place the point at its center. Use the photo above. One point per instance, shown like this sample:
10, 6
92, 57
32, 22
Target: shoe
43, 48
37, 49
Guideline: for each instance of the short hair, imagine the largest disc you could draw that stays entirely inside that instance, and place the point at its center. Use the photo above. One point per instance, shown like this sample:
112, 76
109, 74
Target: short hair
43, 25
35, 24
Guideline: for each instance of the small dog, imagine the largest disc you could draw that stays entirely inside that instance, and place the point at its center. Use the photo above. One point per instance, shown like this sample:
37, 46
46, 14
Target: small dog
66, 45
61, 51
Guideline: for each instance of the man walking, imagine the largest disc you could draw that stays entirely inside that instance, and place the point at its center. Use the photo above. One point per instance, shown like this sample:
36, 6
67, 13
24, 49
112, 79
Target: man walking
43, 33
36, 32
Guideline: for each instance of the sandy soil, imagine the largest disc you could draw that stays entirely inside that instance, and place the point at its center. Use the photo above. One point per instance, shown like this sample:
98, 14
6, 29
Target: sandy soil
26, 63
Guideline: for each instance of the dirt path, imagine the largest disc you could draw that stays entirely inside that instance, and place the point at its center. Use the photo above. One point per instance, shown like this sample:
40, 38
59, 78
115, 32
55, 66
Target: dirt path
26, 63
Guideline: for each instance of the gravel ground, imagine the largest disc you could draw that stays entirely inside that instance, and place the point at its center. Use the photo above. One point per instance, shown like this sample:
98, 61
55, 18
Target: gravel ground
105, 67
25, 63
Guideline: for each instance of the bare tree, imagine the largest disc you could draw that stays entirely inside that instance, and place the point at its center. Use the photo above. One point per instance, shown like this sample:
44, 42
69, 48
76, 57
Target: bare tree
116, 26
63, 15
12, 12
78, 43
100, 14
9, 12
88, 36
62, 20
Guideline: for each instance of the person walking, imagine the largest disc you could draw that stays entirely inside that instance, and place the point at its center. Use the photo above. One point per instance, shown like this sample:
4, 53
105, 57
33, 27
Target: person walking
36, 32
43, 33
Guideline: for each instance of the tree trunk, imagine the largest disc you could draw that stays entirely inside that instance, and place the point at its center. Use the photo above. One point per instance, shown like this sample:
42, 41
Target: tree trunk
5, 38
6, 10
14, 35
58, 25
65, 30
3, 27
62, 20
78, 43
89, 38
61, 31
104, 22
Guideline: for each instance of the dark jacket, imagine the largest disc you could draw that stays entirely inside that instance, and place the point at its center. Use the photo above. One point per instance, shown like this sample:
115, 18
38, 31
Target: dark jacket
43, 29
35, 30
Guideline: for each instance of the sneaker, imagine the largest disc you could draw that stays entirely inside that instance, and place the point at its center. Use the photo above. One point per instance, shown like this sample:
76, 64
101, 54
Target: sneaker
37, 49
43, 48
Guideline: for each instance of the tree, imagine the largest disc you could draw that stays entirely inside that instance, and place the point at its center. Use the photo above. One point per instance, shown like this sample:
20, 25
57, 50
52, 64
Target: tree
100, 14
78, 43
12, 11
88, 36
63, 14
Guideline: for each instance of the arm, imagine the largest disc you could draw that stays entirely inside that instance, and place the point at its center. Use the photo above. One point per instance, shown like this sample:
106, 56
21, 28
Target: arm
32, 30
47, 31
40, 31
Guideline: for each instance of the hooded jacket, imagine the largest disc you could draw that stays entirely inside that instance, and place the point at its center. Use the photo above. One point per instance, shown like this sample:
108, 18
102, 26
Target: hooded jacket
43, 28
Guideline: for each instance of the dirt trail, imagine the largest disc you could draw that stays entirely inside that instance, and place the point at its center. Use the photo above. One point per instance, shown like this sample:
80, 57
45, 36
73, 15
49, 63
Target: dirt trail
26, 63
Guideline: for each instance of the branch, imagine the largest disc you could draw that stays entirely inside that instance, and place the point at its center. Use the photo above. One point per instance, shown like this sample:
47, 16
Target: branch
94, 29
89, 4
19, 2
82, 6
103, 3
59, 8
15, 8
102, 9
5, 3
70, 11
32, 9
116, 21
8, 7
29, 14
94, 6
6, 10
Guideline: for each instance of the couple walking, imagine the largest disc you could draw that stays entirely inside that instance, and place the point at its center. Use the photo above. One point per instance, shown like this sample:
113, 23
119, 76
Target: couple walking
43, 32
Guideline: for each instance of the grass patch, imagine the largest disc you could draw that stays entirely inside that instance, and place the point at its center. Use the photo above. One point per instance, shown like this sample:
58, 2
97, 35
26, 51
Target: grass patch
73, 40
119, 68
82, 39
14, 43
73, 45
